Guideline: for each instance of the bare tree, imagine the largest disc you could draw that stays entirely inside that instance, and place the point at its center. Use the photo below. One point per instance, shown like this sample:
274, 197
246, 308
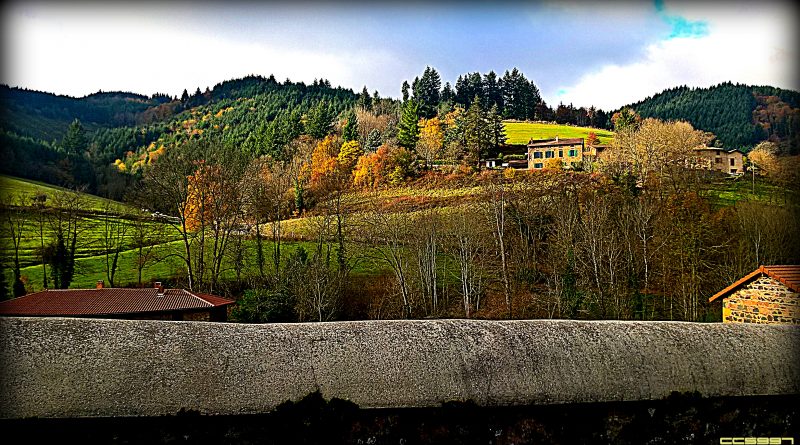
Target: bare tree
145, 237
67, 224
115, 230
426, 245
39, 211
389, 234
465, 244
13, 211
496, 208
315, 283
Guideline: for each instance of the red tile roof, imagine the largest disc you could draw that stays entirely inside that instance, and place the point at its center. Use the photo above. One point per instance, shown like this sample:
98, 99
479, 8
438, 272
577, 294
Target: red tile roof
553, 142
108, 301
788, 275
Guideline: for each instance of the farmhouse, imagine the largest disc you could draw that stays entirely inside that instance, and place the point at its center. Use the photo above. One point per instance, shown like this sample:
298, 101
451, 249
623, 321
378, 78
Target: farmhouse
769, 294
154, 303
726, 161
542, 151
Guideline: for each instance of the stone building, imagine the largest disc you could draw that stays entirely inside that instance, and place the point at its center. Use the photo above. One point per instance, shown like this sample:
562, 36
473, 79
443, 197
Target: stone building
767, 295
726, 161
568, 151
154, 303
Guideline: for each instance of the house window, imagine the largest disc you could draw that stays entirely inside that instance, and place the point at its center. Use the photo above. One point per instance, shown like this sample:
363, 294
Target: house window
548, 154
538, 165
560, 153
718, 160
573, 153
733, 162
717, 152
733, 171
537, 155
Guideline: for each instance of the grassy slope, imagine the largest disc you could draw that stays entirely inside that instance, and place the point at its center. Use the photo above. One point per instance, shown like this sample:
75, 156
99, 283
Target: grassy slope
10, 186
521, 132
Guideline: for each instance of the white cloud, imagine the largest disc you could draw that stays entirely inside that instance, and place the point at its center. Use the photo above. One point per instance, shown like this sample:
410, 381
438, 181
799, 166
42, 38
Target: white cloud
70, 54
752, 45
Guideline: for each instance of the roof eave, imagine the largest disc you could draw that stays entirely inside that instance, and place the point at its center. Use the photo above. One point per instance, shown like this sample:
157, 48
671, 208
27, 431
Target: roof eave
743, 281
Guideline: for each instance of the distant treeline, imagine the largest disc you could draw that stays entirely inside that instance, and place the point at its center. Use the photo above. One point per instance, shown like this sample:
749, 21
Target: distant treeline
740, 116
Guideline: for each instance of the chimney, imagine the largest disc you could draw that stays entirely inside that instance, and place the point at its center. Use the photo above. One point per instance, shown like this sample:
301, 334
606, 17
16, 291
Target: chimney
99, 284
157, 285
556, 138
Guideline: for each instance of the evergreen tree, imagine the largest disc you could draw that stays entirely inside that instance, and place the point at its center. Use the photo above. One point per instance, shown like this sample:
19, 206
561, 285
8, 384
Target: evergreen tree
448, 95
407, 128
184, 96
491, 90
373, 141
477, 133
319, 121
364, 100
74, 141
404, 90
350, 129
426, 92
497, 131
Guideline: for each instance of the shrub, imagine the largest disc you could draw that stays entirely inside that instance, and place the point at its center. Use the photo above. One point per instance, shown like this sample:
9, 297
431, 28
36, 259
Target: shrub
265, 306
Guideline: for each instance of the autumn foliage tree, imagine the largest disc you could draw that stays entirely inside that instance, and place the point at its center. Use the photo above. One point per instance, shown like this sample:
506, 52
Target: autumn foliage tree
431, 139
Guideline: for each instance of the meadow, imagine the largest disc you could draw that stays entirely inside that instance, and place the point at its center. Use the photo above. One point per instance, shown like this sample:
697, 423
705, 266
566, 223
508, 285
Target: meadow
11, 187
522, 132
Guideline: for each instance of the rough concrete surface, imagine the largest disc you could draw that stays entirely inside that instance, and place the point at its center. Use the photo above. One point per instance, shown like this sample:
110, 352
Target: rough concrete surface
62, 367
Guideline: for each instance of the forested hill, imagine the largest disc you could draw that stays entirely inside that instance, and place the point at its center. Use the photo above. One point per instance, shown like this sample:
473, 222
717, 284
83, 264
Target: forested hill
46, 116
42, 140
740, 116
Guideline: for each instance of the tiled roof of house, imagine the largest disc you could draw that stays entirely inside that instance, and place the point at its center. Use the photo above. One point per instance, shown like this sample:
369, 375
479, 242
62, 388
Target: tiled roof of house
788, 275
733, 150
553, 142
108, 301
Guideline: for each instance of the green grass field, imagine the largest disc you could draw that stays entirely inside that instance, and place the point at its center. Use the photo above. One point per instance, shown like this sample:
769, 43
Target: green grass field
727, 191
89, 270
11, 187
522, 132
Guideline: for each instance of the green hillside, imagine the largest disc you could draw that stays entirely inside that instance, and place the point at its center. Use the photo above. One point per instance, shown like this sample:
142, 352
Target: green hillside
522, 132
10, 187
740, 116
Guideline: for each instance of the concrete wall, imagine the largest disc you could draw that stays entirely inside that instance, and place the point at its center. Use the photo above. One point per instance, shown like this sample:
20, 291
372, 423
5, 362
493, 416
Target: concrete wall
58, 367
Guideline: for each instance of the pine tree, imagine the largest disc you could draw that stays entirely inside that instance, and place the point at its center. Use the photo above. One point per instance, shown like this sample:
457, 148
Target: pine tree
74, 141
497, 131
426, 92
447, 93
373, 141
364, 100
319, 121
407, 128
350, 129
477, 134
404, 90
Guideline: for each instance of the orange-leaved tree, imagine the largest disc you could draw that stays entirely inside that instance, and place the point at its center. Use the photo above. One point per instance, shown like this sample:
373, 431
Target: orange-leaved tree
204, 184
372, 168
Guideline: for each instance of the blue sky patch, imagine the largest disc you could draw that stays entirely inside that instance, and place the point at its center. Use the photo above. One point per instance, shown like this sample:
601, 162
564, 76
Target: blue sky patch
681, 27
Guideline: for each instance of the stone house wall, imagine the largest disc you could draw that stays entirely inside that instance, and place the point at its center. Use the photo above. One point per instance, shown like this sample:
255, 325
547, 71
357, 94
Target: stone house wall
764, 300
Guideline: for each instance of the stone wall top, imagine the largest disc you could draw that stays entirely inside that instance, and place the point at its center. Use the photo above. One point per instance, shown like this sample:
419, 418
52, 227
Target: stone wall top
60, 367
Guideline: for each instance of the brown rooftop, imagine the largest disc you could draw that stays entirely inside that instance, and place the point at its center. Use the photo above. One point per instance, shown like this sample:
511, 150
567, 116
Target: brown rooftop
108, 301
554, 142
704, 148
788, 275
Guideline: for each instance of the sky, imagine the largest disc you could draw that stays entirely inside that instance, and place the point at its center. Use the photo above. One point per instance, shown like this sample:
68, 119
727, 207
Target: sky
584, 53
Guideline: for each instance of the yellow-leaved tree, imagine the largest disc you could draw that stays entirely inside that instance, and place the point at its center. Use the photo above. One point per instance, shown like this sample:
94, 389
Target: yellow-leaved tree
431, 139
